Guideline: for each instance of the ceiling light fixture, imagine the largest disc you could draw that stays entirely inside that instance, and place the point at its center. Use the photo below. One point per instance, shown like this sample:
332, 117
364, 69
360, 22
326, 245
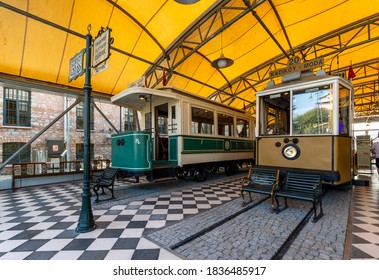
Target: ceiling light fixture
187, 2
222, 61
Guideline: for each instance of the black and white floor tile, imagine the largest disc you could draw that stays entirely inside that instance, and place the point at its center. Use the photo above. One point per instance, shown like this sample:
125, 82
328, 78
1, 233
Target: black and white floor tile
365, 221
39, 222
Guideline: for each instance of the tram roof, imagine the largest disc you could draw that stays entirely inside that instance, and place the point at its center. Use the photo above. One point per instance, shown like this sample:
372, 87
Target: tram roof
160, 38
136, 97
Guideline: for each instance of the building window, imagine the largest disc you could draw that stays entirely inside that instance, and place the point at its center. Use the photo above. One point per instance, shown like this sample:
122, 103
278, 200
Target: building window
80, 151
202, 121
10, 148
80, 116
17, 108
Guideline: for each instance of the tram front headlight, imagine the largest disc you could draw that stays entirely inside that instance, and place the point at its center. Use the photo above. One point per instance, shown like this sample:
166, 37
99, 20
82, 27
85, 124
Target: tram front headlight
291, 151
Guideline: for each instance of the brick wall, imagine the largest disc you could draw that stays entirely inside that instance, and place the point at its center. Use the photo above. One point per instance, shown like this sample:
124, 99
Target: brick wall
44, 109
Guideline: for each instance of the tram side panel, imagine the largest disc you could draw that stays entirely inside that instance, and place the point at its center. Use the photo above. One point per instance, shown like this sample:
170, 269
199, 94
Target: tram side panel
330, 154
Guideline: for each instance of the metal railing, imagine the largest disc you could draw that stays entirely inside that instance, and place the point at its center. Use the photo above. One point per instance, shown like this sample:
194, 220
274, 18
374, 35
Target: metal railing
36, 169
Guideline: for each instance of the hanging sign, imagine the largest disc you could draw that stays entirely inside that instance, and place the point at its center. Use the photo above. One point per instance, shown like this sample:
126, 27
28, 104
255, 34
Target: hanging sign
76, 66
101, 47
294, 65
101, 67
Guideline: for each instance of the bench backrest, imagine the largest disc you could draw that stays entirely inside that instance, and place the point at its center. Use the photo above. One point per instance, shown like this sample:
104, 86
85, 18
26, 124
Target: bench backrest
302, 181
263, 176
109, 173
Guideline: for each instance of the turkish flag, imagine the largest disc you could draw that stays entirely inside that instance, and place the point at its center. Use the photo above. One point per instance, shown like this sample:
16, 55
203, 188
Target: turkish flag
351, 74
164, 81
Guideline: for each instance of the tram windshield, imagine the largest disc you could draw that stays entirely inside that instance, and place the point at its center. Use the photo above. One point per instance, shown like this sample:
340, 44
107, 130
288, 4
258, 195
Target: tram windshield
302, 112
312, 111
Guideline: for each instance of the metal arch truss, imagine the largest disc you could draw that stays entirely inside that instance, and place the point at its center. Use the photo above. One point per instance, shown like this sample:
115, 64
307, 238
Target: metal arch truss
204, 30
348, 37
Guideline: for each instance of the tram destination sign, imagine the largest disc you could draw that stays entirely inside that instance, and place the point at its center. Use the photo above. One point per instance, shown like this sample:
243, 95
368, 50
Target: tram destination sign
294, 66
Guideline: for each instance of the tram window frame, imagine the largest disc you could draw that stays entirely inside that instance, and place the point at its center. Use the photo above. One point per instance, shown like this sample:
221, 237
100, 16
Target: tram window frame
202, 121
244, 131
225, 124
344, 109
275, 114
322, 96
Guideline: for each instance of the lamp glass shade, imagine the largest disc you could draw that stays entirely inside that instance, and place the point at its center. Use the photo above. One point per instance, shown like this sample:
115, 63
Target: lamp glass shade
222, 62
187, 2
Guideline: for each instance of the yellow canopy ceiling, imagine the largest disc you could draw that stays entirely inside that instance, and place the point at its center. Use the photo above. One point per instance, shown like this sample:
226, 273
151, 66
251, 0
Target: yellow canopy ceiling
38, 38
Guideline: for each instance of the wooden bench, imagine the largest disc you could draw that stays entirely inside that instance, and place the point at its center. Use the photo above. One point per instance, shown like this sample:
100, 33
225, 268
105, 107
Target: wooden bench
105, 180
301, 185
259, 180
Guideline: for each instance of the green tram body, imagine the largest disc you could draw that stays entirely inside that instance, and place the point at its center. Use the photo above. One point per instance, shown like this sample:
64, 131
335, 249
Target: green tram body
181, 135
306, 124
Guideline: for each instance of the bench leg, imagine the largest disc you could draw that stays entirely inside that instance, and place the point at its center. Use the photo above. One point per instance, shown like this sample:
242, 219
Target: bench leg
95, 189
113, 197
277, 209
315, 216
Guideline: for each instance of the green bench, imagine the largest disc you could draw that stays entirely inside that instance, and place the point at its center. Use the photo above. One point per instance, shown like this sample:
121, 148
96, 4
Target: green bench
105, 180
301, 185
259, 180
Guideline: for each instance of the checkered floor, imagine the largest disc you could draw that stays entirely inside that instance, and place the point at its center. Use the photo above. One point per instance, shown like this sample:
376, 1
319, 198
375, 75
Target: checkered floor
365, 228
39, 222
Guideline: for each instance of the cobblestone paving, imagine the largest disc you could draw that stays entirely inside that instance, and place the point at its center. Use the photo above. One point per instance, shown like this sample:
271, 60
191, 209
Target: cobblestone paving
258, 233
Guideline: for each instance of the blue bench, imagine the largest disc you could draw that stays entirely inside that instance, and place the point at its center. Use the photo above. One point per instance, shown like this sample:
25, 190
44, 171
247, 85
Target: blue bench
259, 180
301, 185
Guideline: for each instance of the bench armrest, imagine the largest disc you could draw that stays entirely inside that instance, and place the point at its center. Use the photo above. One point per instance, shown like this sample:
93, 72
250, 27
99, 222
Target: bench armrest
317, 190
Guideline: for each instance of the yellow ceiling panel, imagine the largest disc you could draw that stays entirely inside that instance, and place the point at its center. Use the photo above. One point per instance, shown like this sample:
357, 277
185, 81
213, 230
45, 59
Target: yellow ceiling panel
144, 31
49, 8
11, 49
44, 47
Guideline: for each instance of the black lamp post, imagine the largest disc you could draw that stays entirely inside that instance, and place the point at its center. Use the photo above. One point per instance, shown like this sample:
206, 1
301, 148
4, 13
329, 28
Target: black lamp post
86, 222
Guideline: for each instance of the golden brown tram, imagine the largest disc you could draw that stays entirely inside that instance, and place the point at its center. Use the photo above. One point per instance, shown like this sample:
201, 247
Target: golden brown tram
307, 125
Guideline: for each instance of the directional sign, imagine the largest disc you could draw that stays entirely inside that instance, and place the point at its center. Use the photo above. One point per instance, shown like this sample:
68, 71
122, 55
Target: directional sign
76, 66
101, 48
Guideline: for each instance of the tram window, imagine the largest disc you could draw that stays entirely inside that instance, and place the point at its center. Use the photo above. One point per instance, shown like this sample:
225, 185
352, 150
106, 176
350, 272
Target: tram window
312, 111
243, 129
202, 121
130, 120
173, 119
344, 111
274, 114
148, 121
225, 124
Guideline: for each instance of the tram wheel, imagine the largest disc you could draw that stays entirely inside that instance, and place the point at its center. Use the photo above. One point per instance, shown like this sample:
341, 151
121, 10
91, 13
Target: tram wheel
181, 173
231, 169
200, 174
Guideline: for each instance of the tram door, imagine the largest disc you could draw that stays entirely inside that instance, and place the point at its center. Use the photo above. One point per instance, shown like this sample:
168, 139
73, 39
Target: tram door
161, 132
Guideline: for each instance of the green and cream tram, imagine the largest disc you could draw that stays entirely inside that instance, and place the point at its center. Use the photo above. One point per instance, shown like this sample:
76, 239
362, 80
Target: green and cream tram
181, 135
307, 125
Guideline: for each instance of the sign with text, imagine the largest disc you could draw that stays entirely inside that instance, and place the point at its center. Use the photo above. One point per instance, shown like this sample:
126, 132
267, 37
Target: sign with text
101, 67
101, 47
76, 66
294, 65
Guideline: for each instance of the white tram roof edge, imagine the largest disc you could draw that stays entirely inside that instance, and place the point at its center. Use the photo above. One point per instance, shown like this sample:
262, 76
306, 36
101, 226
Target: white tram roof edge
131, 97
304, 82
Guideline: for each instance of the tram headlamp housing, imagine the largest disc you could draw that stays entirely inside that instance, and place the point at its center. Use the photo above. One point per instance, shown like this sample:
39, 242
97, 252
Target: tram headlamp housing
291, 151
